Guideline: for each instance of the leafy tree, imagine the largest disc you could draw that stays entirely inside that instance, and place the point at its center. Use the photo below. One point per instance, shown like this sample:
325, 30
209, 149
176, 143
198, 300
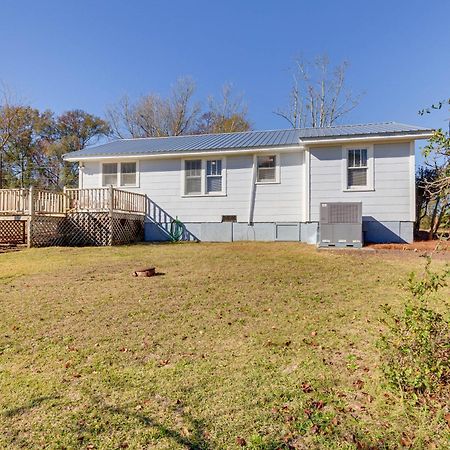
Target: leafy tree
69, 132
32, 144
22, 145
318, 96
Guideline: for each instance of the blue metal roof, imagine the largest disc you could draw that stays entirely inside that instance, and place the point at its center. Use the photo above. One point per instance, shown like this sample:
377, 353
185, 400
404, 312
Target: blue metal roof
244, 140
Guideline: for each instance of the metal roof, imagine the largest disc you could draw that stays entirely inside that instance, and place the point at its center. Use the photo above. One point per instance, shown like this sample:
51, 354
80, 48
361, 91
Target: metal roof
244, 140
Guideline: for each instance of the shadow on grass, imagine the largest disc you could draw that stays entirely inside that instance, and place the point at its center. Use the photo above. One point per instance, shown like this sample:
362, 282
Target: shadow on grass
195, 441
29, 406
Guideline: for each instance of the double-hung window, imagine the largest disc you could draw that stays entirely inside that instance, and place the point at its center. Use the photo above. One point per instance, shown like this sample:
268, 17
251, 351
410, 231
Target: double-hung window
193, 177
110, 171
122, 174
358, 165
214, 175
204, 177
267, 169
128, 174
357, 168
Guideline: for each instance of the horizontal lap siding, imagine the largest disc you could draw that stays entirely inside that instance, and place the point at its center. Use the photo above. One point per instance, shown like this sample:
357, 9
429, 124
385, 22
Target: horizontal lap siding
282, 202
161, 181
391, 198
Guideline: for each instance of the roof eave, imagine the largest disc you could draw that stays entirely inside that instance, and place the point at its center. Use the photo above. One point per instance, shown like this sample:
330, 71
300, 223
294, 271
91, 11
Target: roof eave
182, 154
415, 135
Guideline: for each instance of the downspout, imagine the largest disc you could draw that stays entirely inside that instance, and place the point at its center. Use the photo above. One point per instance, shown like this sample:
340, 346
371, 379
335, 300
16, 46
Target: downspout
251, 206
307, 185
80, 175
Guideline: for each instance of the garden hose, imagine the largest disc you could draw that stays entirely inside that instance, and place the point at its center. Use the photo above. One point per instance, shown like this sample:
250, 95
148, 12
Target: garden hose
176, 230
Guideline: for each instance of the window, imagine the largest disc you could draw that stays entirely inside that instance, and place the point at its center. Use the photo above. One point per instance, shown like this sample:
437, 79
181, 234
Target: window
204, 177
214, 175
266, 169
120, 174
128, 174
109, 171
357, 168
193, 177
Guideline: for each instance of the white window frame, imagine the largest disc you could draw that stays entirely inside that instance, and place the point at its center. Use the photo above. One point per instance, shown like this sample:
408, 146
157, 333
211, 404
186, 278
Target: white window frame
119, 173
277, 167
204, 192
370, 186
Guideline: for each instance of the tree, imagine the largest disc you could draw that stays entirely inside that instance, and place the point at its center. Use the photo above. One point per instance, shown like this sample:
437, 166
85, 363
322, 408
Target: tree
227, 115
156, 116
22, 145
437, 152
9, 116
69, 132
32, 144
429, 205
318, 97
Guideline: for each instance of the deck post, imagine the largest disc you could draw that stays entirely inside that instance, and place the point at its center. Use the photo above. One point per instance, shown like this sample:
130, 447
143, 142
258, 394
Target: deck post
111, 213
65, 202
30, 217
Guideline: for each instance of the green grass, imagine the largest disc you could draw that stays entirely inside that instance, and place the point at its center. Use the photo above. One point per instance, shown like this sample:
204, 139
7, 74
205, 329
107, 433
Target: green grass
267, 345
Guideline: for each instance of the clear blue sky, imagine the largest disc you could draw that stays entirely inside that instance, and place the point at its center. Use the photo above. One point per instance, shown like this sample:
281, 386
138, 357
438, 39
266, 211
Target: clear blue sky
65, 54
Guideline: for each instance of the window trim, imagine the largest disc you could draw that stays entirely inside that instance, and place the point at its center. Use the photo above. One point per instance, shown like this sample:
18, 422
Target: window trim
204, 192
277, 167
119, 174
370, 169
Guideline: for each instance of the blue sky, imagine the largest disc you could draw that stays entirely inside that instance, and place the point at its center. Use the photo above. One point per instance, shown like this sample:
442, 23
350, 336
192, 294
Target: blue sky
87, 53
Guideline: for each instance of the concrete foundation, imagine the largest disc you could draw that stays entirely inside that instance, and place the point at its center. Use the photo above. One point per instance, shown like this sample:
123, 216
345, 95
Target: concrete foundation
373, 232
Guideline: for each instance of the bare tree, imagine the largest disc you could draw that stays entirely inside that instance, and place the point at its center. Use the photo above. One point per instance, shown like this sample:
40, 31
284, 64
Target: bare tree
156, 116
228, 114
318, 97
437, 152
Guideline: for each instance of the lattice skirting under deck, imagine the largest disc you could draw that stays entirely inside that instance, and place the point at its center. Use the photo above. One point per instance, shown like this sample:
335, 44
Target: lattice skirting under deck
13, 232
87, 229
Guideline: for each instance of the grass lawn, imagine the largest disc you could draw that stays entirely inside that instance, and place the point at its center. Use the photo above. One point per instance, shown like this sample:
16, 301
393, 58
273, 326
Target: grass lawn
263, 345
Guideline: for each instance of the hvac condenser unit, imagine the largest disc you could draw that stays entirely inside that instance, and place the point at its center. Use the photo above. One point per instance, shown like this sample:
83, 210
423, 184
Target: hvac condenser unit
340, 224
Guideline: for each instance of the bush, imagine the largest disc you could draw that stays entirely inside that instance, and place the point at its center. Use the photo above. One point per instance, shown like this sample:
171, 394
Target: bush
415, 349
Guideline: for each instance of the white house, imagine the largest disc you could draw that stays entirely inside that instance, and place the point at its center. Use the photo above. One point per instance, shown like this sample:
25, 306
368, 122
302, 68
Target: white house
265, 185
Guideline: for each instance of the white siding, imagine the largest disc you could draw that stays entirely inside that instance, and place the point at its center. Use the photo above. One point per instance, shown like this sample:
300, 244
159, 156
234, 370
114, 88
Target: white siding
390, 201
161, 180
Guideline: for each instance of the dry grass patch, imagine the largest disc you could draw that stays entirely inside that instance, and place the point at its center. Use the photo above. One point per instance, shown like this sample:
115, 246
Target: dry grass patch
258, 345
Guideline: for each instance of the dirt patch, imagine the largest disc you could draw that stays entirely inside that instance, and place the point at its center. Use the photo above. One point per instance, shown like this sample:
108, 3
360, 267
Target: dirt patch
420, 246
6, 248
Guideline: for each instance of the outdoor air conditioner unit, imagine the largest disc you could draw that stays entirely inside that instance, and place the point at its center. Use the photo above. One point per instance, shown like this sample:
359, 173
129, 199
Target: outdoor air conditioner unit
340, 224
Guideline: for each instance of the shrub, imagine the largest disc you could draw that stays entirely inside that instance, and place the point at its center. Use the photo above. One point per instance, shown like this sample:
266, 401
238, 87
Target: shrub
415, 348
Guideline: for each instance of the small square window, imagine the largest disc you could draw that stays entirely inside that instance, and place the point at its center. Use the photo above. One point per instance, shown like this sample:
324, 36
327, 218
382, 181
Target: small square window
266, 169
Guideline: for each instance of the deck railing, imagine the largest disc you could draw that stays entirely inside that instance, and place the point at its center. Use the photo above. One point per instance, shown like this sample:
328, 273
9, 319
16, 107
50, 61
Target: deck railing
95, 199
14, 201
38, 201
48, 202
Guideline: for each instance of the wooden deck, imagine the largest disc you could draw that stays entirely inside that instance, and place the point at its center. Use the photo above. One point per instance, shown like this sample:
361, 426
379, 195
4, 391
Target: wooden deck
99, 216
